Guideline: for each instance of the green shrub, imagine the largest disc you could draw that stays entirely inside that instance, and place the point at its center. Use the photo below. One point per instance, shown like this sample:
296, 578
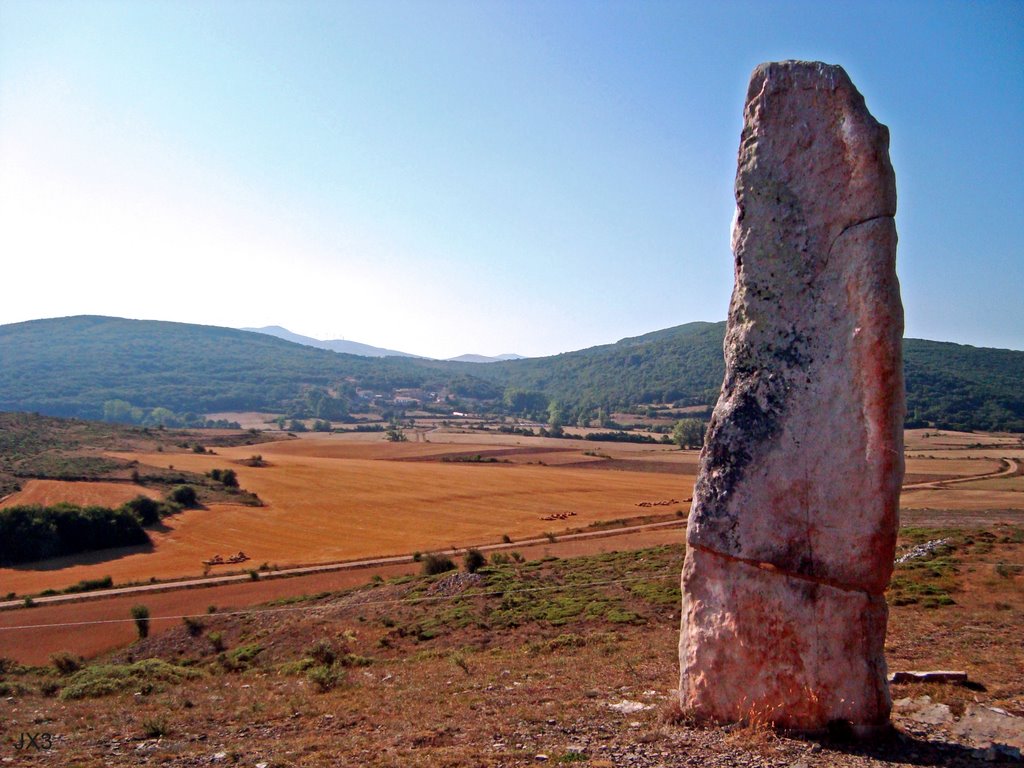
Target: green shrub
103, 679
326, 678
323, 653
226, 477
141, 615
155, 727
435, 564
184, 495
473, 560
240, 658
195, 626
65, 662
88, 585
147, 510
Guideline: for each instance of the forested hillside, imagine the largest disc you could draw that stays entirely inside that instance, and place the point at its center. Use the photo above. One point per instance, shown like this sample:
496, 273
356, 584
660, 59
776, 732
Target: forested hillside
80, 366
74, 366
681, 364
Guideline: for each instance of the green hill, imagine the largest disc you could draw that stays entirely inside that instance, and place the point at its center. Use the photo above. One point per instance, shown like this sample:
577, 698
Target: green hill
78, 366
681, 364
73, 366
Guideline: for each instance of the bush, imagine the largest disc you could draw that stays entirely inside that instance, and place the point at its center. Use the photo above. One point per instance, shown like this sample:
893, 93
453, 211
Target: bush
435, 564
147, 510
217, 641
184, 495
65, 662
474, 560
102, 679
88, 585
240, 658
226, 477
327, 677
195, 626
155, 728
141, 615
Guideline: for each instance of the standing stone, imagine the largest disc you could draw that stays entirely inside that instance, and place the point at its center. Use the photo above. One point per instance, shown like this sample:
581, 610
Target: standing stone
792, 532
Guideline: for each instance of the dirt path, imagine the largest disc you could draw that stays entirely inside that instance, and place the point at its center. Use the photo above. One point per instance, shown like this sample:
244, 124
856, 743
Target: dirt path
338, 566
1013, 469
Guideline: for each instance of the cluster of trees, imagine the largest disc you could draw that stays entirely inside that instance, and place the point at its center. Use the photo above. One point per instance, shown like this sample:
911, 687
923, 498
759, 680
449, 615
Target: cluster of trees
122, 412
35, 532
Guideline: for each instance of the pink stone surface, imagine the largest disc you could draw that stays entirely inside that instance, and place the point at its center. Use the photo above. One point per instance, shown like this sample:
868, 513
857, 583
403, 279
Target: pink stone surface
770, 648
801, 470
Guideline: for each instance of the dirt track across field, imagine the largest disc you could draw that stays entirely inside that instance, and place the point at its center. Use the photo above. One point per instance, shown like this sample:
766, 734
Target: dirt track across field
90, 627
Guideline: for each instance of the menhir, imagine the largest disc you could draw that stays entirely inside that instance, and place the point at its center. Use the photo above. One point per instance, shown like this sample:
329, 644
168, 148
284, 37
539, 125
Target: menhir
793, 527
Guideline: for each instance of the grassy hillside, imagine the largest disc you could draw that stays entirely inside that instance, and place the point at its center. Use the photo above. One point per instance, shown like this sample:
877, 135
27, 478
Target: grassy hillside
73, 366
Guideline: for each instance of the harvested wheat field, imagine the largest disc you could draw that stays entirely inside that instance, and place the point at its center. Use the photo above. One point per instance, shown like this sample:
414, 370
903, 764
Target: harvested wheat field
48, 492
927, 469
939, 440
322, 504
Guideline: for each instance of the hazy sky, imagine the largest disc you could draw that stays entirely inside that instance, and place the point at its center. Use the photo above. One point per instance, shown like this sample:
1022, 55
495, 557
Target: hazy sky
450, 177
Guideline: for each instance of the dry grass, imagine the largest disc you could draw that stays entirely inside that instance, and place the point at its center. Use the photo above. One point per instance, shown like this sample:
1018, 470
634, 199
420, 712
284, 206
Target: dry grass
48, 492
924, 469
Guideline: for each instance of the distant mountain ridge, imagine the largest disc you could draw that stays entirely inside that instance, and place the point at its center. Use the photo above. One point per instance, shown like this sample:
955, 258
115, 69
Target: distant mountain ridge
366, 350
84, 366
335, 345
485, 359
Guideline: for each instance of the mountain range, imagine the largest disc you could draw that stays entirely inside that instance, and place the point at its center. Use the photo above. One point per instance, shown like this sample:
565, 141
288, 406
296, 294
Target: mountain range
366, 350
80, 366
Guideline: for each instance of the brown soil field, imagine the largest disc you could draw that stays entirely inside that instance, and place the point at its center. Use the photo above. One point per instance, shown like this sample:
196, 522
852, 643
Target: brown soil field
246, 419
957, 497
324, 506
47, 492
1015, 484
113, 627
915, 440
920, 469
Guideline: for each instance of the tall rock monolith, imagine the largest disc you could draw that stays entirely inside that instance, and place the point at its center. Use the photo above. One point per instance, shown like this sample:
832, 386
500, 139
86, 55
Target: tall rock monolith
792, 532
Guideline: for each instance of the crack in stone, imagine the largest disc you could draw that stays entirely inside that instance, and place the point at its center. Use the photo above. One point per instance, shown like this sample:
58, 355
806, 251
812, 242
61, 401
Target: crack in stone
848, 227
774, 569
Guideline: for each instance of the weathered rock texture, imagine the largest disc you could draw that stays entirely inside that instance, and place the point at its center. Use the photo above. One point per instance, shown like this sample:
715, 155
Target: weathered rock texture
793, 526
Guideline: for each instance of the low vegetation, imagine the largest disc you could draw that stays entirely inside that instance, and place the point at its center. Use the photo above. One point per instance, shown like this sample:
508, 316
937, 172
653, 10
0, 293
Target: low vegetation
523, 659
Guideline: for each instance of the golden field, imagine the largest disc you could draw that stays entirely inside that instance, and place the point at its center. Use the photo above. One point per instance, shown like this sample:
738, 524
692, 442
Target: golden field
345, 497
340, 497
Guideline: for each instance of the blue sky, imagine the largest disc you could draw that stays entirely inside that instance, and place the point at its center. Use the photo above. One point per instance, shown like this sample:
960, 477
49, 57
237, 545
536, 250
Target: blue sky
447, 177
